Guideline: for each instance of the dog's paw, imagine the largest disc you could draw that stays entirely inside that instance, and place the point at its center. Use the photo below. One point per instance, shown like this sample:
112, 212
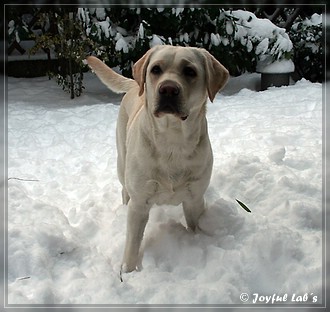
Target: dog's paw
126, 269
123, 269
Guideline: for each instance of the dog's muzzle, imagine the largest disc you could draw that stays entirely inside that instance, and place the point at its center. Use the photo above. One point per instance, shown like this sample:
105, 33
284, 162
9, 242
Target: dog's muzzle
169, 100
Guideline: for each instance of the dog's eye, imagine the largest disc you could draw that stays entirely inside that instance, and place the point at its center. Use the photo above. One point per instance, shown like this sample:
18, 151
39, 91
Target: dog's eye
189, 71
156, 70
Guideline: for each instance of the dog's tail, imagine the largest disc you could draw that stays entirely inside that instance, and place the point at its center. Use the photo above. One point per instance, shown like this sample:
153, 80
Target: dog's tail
115, 82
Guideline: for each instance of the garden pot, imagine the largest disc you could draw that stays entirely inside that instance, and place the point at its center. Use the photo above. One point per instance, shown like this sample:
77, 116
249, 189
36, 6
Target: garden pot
274, 80
275, 74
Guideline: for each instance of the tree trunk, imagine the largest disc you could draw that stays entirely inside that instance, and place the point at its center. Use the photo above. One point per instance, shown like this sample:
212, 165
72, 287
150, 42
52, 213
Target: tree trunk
71, 78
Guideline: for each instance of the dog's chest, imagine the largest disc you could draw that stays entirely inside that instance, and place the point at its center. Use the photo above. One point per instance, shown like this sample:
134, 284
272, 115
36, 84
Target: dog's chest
170, 183
170, 168
166, 191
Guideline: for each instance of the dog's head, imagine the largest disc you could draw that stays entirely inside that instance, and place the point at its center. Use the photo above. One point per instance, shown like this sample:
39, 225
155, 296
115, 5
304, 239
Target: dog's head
177, 80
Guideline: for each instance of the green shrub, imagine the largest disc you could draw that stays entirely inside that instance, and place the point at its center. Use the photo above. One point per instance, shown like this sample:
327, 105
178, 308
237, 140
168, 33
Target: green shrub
69, 43
306, 35
237, 38
120, 36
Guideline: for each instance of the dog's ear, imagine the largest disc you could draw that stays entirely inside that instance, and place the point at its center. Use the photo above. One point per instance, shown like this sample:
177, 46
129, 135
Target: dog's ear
216, 75
140, 69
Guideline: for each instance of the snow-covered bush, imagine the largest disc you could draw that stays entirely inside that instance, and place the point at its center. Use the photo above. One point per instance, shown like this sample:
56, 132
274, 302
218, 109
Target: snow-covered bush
306, 35
17, 32
119, 38
124, 35
246, 40
18, 24
237, 38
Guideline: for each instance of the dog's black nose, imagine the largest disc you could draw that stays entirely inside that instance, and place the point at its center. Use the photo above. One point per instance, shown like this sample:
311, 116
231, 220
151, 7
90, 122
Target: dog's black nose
169, 89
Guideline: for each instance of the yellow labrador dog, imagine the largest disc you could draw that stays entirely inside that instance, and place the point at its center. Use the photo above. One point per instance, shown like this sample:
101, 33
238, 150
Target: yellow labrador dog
164, 152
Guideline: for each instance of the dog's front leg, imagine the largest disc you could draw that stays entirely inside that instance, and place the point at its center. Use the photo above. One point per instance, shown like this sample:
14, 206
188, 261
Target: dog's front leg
193, 209
125, 196
137, 219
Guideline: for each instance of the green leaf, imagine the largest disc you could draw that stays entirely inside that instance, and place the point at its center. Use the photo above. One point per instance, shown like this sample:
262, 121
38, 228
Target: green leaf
243, 206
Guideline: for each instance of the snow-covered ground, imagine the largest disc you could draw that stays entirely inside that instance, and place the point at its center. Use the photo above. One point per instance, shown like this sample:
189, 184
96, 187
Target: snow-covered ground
66, 228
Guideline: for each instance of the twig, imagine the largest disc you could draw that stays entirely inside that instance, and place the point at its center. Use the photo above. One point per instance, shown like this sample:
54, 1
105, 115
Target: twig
120, 275
25, 180
23, 278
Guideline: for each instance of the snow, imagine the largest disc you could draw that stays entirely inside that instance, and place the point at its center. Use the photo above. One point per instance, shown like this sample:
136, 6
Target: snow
229, 28
11, 27
279, 67
215, 39
105, 27
251, 31
316, 19
262, 47
121, 44
249, 24
100, 13
141, 31
184, 37
66, 223
177, 11
156, 40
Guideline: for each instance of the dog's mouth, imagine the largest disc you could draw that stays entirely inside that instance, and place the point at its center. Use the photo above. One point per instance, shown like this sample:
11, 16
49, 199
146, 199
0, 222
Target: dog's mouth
160, 113
171, 109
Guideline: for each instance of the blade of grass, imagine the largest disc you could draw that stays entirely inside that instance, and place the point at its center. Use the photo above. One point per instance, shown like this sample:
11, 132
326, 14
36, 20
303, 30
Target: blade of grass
243, 206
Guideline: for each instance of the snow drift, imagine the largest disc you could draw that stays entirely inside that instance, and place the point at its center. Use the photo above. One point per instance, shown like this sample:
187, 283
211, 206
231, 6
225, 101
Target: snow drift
66, 223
